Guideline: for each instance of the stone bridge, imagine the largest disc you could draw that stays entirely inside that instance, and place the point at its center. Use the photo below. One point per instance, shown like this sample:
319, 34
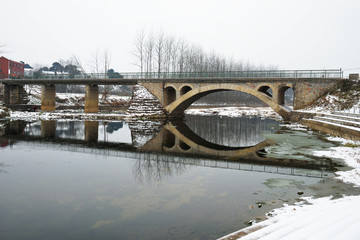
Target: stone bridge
175, 93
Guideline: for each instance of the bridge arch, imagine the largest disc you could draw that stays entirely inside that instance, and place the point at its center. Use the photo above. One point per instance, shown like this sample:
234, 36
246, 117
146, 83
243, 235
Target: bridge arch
183, 102
281, 93
266, 90
169, 139
191, 143
184, 89
183, 146
169, 95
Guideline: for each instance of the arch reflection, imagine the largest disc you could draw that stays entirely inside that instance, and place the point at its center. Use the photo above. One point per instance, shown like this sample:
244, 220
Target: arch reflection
159, 149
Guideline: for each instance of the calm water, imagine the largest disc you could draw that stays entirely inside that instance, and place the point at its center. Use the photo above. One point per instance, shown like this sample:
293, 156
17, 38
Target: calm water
198, 179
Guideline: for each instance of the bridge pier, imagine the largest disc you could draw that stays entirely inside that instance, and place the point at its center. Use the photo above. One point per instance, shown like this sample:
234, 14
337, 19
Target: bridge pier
48, 129
48, 98
91, 98
13, 94
91, 131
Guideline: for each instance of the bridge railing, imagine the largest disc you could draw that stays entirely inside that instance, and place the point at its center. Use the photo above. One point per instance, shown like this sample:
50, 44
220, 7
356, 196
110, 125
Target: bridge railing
326, 73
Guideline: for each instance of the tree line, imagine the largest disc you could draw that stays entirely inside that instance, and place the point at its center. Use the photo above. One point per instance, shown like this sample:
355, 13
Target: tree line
165, 53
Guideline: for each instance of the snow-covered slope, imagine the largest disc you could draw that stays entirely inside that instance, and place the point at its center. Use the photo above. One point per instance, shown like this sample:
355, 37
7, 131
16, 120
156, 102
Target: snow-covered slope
323, 218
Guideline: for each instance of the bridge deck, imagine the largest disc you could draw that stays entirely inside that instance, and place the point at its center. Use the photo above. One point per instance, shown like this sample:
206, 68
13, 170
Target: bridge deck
133, 78
123, 81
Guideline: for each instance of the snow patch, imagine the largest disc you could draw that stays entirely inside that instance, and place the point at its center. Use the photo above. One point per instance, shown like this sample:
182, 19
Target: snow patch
263, 112
35, 116
322, 218
144, 104
351, 156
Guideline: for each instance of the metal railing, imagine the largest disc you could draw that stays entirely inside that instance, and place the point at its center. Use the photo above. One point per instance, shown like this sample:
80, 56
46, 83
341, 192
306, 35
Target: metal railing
353, 110
326, 73
329, 73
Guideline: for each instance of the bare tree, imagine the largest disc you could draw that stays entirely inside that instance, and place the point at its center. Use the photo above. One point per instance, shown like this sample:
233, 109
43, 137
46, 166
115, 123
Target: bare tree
182, 55
169, 45
174, 55
165, 53
95, 62
107, 60
139, 51
159, 51
76, 61
149, 52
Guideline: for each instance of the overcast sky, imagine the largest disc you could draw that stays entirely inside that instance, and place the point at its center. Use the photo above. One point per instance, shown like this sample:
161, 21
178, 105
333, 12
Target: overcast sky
302, 34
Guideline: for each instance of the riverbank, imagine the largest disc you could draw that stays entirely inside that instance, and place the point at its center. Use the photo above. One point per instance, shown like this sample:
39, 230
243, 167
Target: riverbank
323, 218
264, 112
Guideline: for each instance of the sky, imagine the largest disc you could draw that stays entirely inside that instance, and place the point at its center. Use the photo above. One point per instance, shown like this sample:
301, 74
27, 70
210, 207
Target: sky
306, 34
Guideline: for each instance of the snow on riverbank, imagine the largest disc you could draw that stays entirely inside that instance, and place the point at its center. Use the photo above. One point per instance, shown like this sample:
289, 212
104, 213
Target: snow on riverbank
350, 153
323, 218
263, 112
35, 116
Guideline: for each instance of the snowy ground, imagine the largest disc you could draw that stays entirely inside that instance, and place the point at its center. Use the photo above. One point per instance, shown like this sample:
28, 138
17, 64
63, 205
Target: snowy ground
337, 101
74, 98
68, 114
318, 219
263, 112
323, 218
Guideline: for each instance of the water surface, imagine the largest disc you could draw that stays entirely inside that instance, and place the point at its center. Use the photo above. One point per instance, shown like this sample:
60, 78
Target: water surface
146, 180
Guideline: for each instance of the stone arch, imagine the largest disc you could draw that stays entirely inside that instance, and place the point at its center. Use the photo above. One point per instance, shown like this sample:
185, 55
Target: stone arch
281, 94
179, 105
266, 90
168, 139
185, 89
169, 95
197, 144
183, 146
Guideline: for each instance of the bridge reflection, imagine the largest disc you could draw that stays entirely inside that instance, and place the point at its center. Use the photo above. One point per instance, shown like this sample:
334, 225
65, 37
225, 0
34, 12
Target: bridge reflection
161, 150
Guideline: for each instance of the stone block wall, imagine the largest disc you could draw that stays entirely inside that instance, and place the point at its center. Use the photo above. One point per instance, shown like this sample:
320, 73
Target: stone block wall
156, 89
307, 92
340, 131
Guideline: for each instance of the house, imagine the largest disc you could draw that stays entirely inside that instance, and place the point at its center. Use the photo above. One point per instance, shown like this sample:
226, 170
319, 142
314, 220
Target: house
10, 69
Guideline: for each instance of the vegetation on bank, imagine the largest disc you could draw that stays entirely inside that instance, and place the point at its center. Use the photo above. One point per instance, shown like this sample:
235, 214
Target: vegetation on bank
343, 96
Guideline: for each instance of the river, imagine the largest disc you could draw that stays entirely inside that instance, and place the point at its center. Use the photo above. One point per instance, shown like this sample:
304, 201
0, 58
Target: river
200, 178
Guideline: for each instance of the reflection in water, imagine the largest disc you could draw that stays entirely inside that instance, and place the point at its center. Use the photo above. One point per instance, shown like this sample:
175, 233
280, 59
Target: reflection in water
114, 126
91, 131
199, 137
232, 132
205, 186
154, 168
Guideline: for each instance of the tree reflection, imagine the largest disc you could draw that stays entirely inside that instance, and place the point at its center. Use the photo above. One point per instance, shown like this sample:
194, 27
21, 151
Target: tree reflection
155, 168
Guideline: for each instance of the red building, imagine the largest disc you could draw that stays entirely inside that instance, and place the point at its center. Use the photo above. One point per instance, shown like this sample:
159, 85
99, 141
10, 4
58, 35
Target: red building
10, 69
